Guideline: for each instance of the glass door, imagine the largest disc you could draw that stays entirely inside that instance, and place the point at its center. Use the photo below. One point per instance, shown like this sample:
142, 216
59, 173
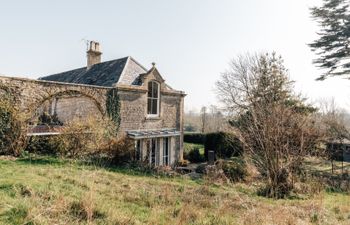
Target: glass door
166, 151
152, 150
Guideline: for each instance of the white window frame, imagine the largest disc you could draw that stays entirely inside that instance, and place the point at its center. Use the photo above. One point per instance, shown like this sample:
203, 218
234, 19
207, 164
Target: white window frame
152, 82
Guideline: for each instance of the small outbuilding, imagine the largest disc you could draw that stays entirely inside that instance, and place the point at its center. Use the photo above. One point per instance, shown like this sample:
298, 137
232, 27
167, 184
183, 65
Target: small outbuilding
339, 149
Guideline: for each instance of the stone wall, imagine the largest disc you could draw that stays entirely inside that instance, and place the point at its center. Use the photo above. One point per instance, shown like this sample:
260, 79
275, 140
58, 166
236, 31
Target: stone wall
83, 99
69, 107
31, 95
134, 116
134, 111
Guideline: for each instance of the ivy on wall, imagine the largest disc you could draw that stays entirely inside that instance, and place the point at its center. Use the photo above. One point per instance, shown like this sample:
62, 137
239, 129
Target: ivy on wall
113, 107
5, 117
5, 125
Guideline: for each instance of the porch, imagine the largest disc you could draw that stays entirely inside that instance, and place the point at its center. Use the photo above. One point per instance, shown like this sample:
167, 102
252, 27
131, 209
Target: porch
157, 147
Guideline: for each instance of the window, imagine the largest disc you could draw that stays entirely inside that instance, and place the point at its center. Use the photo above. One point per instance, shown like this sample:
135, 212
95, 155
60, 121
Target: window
166, 150
153, 98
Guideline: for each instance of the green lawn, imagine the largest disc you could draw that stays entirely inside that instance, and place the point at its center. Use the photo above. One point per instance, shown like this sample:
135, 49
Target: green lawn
189, 146
51, 191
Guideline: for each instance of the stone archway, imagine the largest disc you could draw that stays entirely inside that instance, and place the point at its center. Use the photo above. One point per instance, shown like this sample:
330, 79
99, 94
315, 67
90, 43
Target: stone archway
68, 101
66, 106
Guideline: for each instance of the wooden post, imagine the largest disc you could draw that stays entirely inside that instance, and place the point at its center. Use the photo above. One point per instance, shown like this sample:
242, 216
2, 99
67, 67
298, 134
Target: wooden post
211, 157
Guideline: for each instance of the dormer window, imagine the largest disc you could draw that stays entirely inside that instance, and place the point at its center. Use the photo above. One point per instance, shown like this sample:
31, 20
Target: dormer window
153, 98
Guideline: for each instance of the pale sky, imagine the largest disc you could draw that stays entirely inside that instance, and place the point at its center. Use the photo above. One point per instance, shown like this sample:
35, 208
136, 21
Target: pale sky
191, 41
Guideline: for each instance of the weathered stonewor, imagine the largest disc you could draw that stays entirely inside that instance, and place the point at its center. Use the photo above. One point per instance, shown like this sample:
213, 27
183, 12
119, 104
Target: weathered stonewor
31, 95
68, 101
77, 100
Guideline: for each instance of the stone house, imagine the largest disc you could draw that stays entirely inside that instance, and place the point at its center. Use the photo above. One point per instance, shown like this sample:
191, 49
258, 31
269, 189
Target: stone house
151, 112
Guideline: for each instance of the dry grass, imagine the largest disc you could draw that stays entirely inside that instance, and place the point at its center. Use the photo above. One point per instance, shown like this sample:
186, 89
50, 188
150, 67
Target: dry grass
321, 165
51, 191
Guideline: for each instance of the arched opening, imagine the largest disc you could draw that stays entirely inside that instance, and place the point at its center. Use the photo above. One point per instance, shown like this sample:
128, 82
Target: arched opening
59, 109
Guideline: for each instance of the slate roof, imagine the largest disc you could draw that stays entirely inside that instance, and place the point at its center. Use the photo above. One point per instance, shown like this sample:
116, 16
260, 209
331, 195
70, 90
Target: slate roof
124, 70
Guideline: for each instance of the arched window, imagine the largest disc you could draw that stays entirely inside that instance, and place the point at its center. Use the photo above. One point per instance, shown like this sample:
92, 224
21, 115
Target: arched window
153, 98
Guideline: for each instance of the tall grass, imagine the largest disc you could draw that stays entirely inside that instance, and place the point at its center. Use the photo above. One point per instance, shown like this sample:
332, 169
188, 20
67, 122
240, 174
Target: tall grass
68, 192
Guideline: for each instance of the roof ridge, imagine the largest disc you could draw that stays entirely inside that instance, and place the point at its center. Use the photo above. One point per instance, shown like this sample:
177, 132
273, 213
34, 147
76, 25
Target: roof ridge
138, 63
123, 71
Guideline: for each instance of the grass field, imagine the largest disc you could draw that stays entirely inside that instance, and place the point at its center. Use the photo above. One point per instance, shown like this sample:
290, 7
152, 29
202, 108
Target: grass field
189, 146
52, 191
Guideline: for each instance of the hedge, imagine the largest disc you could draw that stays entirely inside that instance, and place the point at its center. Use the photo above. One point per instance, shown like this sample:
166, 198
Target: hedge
194, 156
225, 145
195, 138
47, 145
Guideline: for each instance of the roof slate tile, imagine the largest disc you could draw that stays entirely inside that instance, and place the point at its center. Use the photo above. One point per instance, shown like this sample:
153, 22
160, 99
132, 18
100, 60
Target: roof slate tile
102, 74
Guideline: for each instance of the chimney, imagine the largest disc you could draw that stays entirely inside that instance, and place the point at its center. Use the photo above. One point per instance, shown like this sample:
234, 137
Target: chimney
93, 54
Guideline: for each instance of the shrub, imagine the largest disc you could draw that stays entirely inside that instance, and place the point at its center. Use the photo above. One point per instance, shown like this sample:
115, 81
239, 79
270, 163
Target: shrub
182, 163
234, 169
75, 143
44, 145
276, 125
225, 145
200, 168
85, 138
12, 135
90, 139
194, 156
280, 189
215, 174
195, 138
119, 150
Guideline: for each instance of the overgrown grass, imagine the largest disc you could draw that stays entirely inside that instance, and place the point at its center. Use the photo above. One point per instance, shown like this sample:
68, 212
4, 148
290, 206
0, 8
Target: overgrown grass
53, 191
320, 165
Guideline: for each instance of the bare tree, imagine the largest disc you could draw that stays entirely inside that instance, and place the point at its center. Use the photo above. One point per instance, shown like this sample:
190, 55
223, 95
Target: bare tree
214, 119
274, 124
332, 123
192, 121
203, 119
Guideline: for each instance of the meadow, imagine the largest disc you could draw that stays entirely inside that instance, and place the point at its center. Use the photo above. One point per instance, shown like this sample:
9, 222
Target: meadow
45, 190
